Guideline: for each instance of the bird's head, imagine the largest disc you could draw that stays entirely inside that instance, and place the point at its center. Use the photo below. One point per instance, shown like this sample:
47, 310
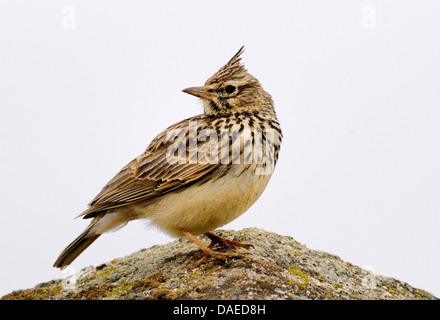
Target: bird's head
232, 90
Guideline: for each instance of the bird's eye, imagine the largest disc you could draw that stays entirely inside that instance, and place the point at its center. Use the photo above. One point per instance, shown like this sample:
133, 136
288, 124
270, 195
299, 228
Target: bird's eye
229, 89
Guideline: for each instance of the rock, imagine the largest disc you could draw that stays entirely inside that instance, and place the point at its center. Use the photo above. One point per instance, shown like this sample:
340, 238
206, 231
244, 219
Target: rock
277, 267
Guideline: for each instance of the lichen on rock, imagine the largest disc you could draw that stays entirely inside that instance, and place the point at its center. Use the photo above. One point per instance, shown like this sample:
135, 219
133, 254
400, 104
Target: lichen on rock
277, 267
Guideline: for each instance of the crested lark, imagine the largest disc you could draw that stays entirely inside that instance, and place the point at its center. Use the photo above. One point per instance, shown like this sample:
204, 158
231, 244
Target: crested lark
200, 173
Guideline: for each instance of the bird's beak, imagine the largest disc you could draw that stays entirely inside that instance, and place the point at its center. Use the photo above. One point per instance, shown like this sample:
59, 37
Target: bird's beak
198, 92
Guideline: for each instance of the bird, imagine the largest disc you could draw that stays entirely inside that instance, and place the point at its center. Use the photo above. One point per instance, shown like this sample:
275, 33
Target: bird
198, 174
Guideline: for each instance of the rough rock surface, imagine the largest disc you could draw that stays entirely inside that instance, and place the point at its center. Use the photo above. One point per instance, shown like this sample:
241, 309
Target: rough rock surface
277, 267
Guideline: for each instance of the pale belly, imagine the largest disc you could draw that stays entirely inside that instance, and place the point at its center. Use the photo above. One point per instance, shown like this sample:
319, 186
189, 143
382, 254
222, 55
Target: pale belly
203, 208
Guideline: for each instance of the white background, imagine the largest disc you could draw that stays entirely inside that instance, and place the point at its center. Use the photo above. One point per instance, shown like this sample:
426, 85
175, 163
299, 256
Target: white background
85, 88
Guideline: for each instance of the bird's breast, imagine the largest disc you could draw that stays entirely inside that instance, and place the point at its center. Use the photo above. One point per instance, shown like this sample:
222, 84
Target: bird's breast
203, 207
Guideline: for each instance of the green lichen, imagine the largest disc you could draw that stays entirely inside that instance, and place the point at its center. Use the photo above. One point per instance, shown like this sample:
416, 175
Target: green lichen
118, 291
55, 290
106, 272
338, 286
393, 289
297, 272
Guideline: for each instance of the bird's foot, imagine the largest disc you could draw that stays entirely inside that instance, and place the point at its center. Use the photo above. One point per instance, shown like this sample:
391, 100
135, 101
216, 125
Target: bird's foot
207, 251
229, 244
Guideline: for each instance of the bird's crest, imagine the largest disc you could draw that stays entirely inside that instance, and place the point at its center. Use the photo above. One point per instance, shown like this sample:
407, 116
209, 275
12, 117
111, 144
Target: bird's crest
234, 69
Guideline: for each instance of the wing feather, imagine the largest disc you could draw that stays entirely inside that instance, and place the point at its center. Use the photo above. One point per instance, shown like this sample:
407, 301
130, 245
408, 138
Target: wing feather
151, 174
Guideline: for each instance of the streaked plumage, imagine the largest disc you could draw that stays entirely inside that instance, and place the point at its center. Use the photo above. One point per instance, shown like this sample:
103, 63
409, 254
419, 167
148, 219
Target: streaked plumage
198, 174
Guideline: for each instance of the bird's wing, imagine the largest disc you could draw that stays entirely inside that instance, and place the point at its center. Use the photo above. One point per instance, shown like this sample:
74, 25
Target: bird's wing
157, 171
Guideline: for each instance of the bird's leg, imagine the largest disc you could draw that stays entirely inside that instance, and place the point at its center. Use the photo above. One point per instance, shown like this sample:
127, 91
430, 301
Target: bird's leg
207, 252
199, 262
196, 264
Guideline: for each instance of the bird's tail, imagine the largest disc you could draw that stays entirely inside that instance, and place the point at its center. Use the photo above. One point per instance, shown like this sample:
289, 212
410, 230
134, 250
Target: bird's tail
81, 243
